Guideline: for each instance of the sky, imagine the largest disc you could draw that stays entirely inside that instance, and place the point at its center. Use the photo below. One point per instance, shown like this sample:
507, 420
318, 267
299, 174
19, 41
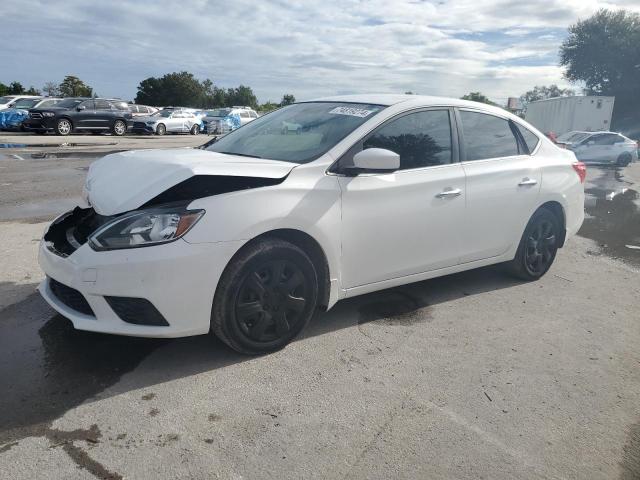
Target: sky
310, 49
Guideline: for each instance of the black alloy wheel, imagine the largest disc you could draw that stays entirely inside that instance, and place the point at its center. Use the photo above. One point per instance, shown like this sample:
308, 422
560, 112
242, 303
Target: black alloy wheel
538, 246
265, 297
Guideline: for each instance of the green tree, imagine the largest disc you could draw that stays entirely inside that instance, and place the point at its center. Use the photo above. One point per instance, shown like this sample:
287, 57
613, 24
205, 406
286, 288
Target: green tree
477, 97
543, 92
16, 88
268, 106
241, 96
603, 51
32, 91
287, 99
72, 86
177, 89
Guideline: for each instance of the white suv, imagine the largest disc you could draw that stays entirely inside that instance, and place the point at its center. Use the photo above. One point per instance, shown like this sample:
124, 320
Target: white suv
250, 236
8, 100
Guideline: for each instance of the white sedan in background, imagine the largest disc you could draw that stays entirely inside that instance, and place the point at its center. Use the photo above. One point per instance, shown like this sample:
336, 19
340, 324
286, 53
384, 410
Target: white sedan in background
600, 147
250, 236
167, 121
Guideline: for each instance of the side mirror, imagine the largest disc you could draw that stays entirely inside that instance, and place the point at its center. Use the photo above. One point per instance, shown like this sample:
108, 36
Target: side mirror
376, 160
80, 108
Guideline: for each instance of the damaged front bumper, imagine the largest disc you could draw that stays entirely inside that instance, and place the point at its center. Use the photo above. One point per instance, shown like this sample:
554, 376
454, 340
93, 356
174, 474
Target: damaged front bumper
158, 291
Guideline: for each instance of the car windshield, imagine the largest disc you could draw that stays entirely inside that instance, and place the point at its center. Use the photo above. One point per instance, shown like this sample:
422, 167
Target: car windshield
4, 100
26, 103
220, 112
69, 102
298, 133
162, 113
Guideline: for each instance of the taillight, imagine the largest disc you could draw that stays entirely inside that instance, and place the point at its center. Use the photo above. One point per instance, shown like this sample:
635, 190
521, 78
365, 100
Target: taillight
581, 170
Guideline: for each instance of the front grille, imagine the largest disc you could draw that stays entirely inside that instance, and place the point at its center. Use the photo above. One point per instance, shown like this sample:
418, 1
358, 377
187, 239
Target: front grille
138, 311
71, 297
35, 115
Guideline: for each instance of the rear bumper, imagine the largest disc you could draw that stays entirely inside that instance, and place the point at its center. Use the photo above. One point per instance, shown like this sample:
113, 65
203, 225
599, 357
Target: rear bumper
179, 279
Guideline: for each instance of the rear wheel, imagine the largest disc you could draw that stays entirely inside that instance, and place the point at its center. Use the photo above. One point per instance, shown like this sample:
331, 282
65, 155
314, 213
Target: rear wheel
623, 160
538, 246
119, 128
161, 129
265, 297
64, 127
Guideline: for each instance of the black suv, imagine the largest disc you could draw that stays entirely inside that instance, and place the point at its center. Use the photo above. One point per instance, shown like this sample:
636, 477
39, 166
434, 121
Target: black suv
78, 114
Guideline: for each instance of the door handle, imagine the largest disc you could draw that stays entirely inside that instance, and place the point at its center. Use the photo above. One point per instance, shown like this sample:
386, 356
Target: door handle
449, 192
527, 181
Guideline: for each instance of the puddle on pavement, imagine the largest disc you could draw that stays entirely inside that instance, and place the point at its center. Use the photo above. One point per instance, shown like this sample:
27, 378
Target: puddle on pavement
46, 209
47, 368
54, 155
54, 145
613, 220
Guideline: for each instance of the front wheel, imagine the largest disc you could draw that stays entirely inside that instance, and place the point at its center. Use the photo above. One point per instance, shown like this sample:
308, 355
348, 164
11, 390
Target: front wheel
63, 127
161, 129
195, 130
266, 296
119, 128
538, 246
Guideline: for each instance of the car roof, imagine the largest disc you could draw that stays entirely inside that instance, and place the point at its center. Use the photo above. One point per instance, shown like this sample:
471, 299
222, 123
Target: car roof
387, 99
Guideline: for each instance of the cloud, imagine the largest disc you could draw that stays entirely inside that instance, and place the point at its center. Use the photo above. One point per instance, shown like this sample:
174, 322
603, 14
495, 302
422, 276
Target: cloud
500, 47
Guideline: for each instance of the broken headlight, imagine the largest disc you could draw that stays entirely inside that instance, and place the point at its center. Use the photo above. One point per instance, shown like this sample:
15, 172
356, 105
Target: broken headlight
145, 228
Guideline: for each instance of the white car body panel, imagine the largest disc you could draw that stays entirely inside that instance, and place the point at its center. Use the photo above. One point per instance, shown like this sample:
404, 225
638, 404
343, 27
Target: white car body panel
115, 182
375, 230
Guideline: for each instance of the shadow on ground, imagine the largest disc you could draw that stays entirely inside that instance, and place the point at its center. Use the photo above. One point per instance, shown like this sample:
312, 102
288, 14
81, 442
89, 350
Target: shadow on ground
47, 367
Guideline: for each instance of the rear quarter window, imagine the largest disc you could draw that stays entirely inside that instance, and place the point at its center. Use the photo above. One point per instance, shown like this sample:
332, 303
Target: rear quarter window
530, 138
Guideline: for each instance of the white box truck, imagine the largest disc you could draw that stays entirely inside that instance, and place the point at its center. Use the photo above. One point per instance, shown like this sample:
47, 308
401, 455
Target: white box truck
565, 114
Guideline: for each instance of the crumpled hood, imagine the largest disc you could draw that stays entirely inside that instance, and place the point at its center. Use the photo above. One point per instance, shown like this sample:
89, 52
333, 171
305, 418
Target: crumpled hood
124, 181
148, 118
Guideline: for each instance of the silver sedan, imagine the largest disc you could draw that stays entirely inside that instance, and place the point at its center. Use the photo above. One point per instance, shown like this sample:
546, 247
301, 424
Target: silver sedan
167, 121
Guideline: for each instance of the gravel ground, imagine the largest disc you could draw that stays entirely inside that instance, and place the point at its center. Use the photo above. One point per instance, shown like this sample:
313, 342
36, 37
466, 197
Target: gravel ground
473, 375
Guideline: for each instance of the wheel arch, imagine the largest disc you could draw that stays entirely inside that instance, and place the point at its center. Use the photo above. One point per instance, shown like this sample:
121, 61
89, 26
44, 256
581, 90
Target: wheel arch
311, 247
558, 210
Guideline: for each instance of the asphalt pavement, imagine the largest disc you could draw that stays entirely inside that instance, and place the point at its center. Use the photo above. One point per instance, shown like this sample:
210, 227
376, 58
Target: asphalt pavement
473, 375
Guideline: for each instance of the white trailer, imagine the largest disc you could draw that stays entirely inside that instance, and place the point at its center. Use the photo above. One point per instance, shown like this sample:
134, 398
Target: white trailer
565, 114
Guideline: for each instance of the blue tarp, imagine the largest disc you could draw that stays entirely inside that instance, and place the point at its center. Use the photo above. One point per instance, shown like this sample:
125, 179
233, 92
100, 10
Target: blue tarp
12, 118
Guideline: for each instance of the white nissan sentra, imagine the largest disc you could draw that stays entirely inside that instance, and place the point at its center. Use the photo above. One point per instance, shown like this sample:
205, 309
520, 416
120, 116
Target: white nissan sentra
249, 236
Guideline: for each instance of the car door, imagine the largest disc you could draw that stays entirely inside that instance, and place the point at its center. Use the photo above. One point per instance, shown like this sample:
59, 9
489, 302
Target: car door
104, 114
175, 123
502, 183
406, 222
83, 114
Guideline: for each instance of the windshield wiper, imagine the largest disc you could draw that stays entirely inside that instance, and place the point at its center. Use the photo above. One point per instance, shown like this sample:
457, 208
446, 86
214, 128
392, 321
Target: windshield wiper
241, 154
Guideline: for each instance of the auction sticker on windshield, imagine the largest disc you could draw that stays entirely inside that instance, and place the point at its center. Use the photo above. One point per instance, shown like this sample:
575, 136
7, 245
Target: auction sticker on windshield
353, 112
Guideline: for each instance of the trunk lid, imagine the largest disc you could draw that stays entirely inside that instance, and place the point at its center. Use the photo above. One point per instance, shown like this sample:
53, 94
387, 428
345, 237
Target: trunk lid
124, 181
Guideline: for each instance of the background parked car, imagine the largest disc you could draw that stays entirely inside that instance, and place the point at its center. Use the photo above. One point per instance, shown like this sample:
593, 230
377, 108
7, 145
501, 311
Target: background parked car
8, 100
600, 147
142, 110
224, 120
167, 121
12, 118
81, 114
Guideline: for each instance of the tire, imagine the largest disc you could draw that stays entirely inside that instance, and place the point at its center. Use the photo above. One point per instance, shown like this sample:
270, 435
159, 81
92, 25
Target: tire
623, 160
195, 130
119, 128
538, 246
64, 126
253, 312
161, 129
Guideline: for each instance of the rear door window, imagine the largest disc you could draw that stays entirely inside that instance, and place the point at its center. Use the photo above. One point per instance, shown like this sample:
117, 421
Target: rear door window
103, 105
487, 136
